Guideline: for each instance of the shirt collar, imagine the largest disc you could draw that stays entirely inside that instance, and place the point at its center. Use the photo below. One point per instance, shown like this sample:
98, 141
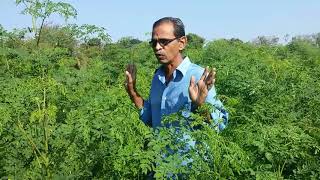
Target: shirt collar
183, 67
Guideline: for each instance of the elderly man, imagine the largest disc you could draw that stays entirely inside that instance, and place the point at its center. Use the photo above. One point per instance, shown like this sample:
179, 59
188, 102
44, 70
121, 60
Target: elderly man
178, 83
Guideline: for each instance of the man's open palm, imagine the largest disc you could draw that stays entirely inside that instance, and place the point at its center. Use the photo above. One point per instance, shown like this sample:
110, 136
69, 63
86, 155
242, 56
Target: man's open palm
130, 85
198, 91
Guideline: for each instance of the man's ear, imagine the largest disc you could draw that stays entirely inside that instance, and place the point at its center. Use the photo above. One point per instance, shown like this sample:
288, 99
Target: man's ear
182, 42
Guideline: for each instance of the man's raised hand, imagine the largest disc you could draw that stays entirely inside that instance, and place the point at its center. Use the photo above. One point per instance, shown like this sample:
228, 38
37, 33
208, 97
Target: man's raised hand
198, 91
130, 85
131, 74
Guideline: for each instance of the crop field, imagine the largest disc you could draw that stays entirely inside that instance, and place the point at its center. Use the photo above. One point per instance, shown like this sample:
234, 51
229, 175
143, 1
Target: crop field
65, 114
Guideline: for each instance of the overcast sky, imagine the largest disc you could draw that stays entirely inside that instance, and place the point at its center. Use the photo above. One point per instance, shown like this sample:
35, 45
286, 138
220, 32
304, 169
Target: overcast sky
211, 19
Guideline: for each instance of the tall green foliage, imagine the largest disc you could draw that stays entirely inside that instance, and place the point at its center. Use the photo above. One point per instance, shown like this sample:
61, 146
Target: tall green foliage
58, 122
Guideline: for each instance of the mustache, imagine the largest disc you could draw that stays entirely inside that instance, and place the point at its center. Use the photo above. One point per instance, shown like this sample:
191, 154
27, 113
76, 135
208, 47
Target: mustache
159, 54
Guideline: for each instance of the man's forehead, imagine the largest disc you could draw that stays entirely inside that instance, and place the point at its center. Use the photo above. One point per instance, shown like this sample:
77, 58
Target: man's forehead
164, 29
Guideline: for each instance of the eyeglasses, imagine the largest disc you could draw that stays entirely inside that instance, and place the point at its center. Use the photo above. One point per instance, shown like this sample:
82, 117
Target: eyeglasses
162, 42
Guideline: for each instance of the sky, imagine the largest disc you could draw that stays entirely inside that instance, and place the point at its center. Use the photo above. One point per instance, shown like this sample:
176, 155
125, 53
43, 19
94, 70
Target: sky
211, 19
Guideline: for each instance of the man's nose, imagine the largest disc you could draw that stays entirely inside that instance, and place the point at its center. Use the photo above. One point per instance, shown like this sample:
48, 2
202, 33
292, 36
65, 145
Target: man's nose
158, 46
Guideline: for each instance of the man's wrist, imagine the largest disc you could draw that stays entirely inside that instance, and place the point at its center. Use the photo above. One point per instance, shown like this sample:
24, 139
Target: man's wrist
138, 101
203, 110
198, 103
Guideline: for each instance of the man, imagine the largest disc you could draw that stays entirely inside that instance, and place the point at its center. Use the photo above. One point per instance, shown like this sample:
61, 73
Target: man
177, 84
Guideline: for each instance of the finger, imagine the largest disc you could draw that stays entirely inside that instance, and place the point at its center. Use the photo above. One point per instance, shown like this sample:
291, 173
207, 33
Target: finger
132, 69
193, 91
209, 81
211, 75
214, 75
129, 82
214, 69
192, 81
214, 72
210, 84
205, 73
125, 83
129, 77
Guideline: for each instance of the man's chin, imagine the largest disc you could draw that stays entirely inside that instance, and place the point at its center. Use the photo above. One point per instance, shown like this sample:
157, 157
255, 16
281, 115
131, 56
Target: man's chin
162, 61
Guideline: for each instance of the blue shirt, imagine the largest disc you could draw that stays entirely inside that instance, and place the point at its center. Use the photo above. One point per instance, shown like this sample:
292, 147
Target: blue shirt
169, 98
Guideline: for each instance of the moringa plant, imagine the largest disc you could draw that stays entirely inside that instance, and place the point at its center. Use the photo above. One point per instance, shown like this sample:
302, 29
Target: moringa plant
40, 10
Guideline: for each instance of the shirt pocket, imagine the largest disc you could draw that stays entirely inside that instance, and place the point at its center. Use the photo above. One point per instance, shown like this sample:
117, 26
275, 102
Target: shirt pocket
177, 102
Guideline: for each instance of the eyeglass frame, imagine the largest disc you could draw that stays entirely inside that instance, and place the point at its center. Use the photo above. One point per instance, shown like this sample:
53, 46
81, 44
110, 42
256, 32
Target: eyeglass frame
154, 42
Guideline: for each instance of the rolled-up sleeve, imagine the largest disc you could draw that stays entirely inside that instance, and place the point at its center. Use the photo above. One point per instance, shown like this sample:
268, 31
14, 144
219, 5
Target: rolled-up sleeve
145, 112
219, 114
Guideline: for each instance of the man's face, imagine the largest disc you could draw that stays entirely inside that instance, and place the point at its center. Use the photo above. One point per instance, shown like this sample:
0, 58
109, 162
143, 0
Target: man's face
165, 45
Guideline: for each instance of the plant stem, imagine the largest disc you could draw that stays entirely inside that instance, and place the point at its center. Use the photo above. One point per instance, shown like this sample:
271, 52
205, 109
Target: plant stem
40, 30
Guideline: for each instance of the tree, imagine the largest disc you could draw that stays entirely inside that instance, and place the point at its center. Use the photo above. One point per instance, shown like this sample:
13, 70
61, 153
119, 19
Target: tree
195, 41
266, 40
13, 38
94, 42
57, 36
87, 32
40, 10
128, 41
